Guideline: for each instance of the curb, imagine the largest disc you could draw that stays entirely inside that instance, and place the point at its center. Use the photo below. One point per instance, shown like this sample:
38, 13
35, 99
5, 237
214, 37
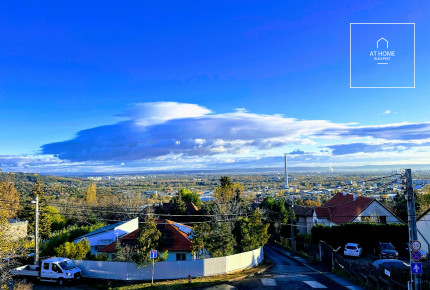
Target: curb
253, 274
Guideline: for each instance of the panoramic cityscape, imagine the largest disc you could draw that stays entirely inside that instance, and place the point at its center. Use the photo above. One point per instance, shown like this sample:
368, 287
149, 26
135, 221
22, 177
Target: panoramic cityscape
224, 145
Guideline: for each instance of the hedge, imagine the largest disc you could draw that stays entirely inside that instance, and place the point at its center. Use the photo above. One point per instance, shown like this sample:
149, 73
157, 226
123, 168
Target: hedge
365, 234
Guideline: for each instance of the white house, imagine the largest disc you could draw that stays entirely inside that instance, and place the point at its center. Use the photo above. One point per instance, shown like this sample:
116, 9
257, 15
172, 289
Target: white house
108, 234
423, 227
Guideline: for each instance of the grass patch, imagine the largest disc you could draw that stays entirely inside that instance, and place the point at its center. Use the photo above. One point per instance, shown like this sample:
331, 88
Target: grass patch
183, 283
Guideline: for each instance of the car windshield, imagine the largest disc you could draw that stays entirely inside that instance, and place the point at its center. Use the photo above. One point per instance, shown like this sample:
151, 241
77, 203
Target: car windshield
351, 247
395, 264
387, 247
67, 265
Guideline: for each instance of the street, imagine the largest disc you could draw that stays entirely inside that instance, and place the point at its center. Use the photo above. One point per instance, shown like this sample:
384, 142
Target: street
284, 274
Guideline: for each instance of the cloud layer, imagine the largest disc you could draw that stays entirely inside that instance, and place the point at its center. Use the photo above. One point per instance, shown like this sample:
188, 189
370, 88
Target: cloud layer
164, 131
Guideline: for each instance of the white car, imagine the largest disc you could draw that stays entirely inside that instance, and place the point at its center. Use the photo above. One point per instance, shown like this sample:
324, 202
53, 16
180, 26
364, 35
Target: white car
352, 250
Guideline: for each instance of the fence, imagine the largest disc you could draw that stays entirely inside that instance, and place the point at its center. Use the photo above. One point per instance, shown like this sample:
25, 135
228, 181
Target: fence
170, 270
378, 278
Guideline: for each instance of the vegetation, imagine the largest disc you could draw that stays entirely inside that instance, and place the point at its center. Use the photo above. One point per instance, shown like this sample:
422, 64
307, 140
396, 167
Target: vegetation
251, 233
366, 234
9, 198
148, 239
276, 215
74, 251
66, 235
90, 193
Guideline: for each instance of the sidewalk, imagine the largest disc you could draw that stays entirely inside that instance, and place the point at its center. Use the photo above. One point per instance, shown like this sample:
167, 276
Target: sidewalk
336, 278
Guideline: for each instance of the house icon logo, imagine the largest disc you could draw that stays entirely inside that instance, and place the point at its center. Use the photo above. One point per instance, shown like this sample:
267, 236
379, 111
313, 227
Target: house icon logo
381, 42
382, 55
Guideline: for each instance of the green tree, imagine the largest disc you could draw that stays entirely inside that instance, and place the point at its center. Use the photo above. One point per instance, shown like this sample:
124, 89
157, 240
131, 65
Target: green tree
401, 206
225, 181
179, 206
148, 239
275, 213
74, 251
222, 241
201, 235
123, 253
251, 233
58, 221
189, 196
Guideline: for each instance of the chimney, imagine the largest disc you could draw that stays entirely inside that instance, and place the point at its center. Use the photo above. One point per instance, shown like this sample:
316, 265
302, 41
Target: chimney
345, 193
354, 196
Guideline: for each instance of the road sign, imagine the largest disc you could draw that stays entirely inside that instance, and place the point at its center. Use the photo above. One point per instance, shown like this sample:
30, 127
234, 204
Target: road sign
416, 268
416, 245
416, 255
153, 254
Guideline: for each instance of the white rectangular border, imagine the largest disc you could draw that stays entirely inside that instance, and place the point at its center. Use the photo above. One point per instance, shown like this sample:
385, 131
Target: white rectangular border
350, 67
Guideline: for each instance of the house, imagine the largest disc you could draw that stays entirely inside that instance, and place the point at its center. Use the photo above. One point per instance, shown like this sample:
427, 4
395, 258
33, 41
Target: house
175, 238
304, 218
423, 227
108, 234
350, 208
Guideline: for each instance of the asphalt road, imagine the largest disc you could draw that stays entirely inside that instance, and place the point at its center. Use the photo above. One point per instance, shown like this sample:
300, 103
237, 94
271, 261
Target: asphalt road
284, 274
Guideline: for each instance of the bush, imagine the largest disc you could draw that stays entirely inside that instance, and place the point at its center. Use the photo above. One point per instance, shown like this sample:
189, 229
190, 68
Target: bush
66, 235
367, 235
74, 251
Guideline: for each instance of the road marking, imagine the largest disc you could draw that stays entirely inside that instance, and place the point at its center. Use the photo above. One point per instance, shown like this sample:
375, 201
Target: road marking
315, 284
221, 287
268, 282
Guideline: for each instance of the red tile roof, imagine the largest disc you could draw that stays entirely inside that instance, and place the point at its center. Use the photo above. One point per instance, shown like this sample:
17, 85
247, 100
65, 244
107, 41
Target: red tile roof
342, 208
181, 242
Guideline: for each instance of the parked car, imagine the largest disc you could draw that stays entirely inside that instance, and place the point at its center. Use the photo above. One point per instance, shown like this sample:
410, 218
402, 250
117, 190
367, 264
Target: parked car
390, 263
407, 248
386, 250
352, 250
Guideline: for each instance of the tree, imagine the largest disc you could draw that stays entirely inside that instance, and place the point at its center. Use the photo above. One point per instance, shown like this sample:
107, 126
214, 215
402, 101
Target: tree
123, 253
275, 213
225, 181
401, 206
9, 248
222, 241
90, 193
148, 239
58, 221
189, 196
201, 235
74, 251
251, 233
179, 206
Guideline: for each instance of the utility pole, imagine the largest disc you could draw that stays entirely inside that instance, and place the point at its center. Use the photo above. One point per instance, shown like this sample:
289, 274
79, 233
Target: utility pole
412, 224
285, 172
293, 243
36, 232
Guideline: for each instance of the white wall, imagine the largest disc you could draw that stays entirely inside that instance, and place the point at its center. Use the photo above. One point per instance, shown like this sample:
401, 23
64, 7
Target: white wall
423, 226
170, 270
374, 210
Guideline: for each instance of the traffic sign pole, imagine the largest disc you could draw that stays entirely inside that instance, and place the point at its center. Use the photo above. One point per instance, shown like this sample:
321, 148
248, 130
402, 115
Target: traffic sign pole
412, 225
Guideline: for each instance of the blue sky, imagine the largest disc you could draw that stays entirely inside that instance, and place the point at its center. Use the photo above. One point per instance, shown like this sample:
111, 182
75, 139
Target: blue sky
107, 86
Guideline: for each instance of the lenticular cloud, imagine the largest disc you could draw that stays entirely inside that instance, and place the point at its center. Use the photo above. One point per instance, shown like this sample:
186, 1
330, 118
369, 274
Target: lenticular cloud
154, 130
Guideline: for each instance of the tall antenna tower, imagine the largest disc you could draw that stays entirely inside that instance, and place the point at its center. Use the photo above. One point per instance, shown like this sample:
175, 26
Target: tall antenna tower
286, 172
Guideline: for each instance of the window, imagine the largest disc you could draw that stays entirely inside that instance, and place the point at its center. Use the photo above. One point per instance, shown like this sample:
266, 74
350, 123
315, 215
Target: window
45, 266
383, 219
180, 257
55, 268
